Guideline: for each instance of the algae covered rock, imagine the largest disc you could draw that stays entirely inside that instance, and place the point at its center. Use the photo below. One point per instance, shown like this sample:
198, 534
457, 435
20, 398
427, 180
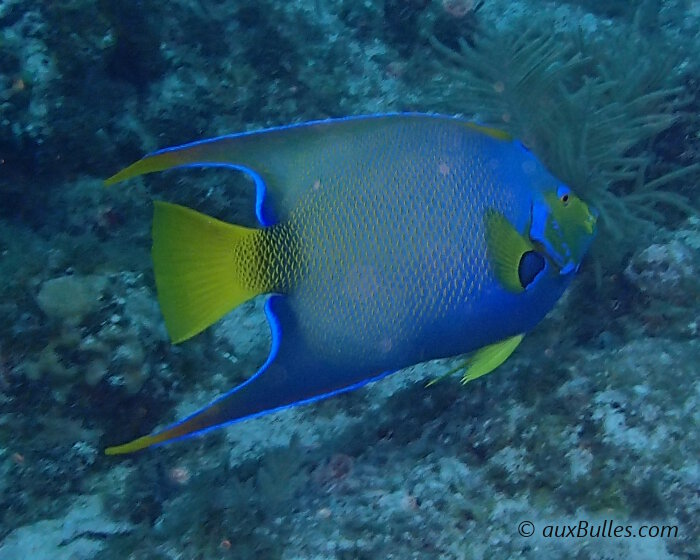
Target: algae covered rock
660, 269
79, 535
71, 298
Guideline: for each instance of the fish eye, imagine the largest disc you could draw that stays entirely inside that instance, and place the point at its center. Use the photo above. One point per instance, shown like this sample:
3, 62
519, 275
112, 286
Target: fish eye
564, 195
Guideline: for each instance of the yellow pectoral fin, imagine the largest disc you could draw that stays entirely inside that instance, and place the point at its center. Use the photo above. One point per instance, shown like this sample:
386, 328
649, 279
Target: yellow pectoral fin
488, 358
506, 248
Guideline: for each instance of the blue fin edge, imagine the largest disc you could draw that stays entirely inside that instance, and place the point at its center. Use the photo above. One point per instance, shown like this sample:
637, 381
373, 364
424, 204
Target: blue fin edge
264, 215
276, 338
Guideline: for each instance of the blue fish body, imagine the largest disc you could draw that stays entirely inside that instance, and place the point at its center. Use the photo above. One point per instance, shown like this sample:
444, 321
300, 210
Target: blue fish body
385, 241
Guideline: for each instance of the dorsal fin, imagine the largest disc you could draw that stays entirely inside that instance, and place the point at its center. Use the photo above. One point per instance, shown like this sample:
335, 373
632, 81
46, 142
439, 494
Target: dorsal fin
287, 161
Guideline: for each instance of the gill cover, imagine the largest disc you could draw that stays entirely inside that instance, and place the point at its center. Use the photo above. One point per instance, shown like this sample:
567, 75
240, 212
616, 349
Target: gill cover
564, 226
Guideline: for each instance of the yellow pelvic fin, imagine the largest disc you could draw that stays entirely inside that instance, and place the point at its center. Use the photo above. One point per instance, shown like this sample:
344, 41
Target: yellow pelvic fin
488, 358
506, 248
484, 360
203, 267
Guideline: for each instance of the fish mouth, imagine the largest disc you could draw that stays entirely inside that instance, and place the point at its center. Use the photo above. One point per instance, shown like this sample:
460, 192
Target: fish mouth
591, 222
536, 235
562, 264
564, 249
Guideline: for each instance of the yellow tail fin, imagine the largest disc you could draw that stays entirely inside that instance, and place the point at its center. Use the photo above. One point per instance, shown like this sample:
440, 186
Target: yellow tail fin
203, 267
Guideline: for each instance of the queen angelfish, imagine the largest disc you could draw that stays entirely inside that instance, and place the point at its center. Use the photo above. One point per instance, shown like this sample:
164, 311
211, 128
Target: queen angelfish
384, 241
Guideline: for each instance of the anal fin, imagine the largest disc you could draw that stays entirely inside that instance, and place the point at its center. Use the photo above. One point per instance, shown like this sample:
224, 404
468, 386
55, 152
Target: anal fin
291, 376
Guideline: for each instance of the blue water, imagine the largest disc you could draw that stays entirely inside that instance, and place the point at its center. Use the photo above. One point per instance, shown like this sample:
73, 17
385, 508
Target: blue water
584, 444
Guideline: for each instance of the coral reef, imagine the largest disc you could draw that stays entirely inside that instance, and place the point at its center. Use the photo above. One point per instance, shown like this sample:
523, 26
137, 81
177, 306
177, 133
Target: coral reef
70, 298
595, 417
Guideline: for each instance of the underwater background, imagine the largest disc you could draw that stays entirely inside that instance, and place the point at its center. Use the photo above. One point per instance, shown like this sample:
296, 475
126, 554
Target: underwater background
593, 423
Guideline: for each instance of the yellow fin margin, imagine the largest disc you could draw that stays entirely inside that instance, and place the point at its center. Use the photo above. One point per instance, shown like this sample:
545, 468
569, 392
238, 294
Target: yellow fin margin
495, 133
132, 446
184, 428
148, 164
505, 249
